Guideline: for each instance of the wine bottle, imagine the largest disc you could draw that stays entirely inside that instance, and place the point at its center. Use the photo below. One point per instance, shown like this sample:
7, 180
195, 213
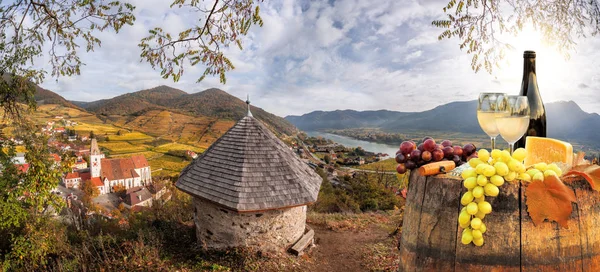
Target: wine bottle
529, 88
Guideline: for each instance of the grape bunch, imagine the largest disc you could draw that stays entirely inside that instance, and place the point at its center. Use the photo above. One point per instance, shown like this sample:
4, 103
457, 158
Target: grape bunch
542, 170
483, 178
411, 155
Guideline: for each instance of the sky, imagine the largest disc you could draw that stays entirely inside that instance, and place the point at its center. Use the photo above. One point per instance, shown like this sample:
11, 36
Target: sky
337, 54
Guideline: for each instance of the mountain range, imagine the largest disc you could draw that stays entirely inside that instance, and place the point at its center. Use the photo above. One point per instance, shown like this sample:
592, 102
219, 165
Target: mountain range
211, 102
565, 120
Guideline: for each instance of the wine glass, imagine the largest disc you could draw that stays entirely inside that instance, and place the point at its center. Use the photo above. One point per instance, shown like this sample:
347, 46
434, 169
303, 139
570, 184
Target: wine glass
513, 119
487, 109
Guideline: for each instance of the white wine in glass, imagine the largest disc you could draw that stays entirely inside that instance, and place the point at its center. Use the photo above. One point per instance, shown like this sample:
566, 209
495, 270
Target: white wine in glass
487, 112
513, 120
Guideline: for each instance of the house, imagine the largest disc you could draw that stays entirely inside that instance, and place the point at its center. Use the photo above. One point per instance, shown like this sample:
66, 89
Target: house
80, 164
97, 182
191, 154
19, 158
333, 155
138, 196
72, 138
72, 180
56, 158
23, 168
59, 130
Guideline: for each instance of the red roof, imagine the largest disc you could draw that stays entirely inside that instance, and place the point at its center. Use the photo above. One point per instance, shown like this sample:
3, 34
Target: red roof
97, 182
85, 175
72, 175
139, 161
115, 169
23, 167
55, 156
59, 129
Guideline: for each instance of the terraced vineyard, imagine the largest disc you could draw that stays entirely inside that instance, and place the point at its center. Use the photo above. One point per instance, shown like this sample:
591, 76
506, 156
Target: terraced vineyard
159, 135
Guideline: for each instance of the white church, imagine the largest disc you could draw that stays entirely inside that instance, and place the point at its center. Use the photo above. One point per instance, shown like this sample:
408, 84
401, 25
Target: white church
105, 173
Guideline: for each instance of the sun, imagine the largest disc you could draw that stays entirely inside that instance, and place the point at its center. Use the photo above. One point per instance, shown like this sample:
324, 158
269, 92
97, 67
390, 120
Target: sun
551, 65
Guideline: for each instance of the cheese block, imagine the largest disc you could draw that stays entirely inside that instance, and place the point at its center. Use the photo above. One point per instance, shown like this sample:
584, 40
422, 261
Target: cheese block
547, 150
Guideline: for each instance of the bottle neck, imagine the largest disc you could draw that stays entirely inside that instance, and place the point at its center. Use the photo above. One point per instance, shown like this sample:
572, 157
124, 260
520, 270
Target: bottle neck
528, 66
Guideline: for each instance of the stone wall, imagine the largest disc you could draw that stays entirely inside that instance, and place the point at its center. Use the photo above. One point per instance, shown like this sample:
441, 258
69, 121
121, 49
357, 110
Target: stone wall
272, 230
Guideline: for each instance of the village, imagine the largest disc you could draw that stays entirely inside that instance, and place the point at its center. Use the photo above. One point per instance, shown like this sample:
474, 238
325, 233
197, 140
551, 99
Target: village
102, 185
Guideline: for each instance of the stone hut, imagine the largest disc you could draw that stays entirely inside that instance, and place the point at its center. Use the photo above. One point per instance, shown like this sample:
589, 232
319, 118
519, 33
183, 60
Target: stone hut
249, 189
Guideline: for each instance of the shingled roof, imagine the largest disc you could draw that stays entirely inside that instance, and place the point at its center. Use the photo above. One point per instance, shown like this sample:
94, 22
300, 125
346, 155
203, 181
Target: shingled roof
250, 169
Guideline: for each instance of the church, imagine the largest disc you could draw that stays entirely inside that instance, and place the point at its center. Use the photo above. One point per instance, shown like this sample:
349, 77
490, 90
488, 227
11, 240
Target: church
105, 173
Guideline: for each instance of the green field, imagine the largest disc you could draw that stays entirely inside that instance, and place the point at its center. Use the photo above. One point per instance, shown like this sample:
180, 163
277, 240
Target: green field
388, 165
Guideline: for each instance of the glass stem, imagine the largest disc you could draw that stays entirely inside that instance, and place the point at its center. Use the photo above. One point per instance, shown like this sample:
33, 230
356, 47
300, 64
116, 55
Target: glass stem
493, 142
511, 148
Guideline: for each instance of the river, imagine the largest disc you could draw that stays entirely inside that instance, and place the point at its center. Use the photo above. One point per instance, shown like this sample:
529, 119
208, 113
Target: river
350, 142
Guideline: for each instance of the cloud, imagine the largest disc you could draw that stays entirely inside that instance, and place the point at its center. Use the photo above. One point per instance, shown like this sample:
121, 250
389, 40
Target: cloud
328, 55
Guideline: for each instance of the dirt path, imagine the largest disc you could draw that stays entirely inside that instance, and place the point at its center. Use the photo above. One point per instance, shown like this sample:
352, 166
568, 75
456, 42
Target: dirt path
344, 251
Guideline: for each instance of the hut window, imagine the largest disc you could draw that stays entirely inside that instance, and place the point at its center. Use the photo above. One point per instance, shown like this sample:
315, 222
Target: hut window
209, 232
225, 211
259, 214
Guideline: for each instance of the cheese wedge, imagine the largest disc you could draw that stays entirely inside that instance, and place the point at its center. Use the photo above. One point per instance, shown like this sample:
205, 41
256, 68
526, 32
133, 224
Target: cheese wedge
547, 150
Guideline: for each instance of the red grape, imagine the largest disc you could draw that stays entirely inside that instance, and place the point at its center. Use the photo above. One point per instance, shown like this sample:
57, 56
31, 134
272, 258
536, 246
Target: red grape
426, 156
429, 145
458, 151
406, 147
410, 165
421, 162
415, 155
400, 158
456, 159
468, 149
438, 155
425, 139
446, 143
474, 155
398, 152
439, 146
420, 147
401, 168
448, 152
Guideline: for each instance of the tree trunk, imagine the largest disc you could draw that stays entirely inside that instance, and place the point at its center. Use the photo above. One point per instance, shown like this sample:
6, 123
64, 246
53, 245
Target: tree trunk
431, 237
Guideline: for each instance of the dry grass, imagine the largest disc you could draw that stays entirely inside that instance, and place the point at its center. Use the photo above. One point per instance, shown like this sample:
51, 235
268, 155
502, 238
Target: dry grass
130, 136
177, 146
118, 147
98, 129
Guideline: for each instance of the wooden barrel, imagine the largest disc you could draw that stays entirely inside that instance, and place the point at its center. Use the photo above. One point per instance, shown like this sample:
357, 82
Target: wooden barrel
431, 237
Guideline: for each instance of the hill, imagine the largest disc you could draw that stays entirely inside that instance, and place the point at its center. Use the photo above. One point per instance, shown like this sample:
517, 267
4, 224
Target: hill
566, 120
43, 96
210, 103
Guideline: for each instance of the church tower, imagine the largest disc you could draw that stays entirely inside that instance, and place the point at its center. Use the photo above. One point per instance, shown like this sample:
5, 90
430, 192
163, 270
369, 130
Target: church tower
95, 157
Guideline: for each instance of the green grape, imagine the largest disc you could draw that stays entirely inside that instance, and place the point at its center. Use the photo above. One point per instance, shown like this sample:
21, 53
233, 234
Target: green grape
489, 171
519, 154
483, 228
474, 162
480, 215
491, 190
542, 166
480, 168
483, 155
501, 168
479, 199
468, 173
496, 154
549, 173
477, 234
464, 218
482, 180
513, 165
467, 236
539, 176
521, 168
493, 161
465, 225
555, 168
478, 191
470, 183
532, 172
484, 207
525, 177
472, 208
506, 157
466, 198
475, 223
478, 242
497, 180
511, 176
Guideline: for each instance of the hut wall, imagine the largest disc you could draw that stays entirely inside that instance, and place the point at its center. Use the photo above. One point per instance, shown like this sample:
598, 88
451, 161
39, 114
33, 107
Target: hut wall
219, 228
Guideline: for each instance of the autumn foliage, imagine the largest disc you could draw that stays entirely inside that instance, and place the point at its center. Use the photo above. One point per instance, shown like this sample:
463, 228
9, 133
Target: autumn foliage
549, 199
